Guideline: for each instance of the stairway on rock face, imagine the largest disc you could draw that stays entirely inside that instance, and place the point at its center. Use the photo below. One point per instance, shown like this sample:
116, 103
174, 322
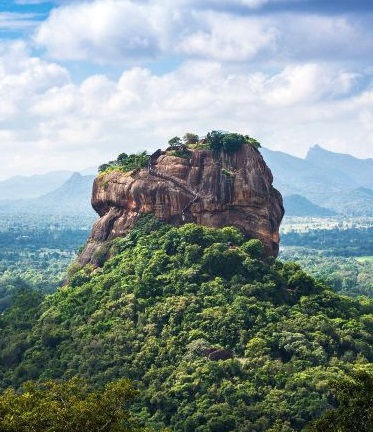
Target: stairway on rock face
178, 183
189, 205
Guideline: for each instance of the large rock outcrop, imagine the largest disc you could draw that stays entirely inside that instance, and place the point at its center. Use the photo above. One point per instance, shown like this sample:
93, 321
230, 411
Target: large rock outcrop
207, 188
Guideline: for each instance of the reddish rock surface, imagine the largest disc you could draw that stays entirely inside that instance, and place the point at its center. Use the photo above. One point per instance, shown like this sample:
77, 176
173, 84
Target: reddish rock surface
209, 188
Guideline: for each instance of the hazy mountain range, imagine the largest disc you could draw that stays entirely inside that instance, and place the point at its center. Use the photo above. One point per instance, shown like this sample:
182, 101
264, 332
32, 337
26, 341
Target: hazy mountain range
337, 182
322, 184
71, 195
35, 186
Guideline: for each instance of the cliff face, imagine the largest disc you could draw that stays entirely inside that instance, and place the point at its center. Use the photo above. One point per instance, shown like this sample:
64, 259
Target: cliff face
207, 188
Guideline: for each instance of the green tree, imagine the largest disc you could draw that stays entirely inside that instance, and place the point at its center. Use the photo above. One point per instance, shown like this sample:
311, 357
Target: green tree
122, 158
190, 138
215, 140
232, 142
229, 142
253, 247
252, 141
355, 406
67, 406
175, 142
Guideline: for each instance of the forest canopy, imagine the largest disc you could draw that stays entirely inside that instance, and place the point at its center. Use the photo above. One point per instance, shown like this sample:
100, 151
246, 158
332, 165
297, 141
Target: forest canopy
214, 338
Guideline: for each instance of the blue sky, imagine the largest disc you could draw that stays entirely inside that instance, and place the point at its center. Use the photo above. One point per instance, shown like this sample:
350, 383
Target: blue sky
81, 81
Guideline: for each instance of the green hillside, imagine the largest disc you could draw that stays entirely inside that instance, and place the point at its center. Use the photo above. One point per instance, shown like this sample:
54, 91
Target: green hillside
214, 338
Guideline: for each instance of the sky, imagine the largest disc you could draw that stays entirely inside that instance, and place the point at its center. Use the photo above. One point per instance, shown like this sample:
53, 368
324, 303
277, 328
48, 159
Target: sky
82, 81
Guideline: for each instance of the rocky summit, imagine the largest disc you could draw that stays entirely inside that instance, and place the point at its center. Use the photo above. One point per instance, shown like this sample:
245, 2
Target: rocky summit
210, 188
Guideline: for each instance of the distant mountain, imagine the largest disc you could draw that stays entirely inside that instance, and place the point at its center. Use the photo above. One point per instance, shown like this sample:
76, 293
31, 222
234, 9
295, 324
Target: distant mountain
358, 171
355, 202
25, 187
293, 175
297, 205
89, 171
34, 186
72, 197
327, 179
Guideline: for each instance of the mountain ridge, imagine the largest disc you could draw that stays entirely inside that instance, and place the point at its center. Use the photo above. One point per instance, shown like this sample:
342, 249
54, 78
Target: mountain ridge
321, 176
326, 179
71, 197
36, 185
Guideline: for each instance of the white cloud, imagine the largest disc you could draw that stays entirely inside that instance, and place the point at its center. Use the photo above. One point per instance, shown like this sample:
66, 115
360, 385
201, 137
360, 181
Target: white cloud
22, 76
289, 80
55, 123
124, 31
102, 31
127, 32
253, 3
308, 83
228, 38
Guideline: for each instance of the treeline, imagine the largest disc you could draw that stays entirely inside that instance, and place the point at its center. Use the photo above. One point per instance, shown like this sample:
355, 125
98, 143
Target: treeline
125, 162
214, 140
36, 251
338, 242
215, 338
34, 240
345, 275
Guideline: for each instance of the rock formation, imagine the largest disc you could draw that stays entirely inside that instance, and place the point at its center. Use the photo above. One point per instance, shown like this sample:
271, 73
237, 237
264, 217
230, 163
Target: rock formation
214, 189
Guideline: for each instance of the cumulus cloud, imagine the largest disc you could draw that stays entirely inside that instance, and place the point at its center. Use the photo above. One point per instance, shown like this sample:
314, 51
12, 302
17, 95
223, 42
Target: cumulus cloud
53, 122
21, 76
126, 32
228, 38
103, 31
289, 81
117, 31
308, 83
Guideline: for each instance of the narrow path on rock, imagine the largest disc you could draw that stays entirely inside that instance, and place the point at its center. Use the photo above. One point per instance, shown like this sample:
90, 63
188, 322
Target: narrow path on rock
178, 183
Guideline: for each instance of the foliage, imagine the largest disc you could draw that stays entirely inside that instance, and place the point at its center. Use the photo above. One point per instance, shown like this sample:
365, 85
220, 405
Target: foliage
190, 138
169, 294
67, 406
175, 142
337, 242
227, 172
229, 142
348, 276
182, 152
35, 251
126, 163
254, 248
253, 142
355, 406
